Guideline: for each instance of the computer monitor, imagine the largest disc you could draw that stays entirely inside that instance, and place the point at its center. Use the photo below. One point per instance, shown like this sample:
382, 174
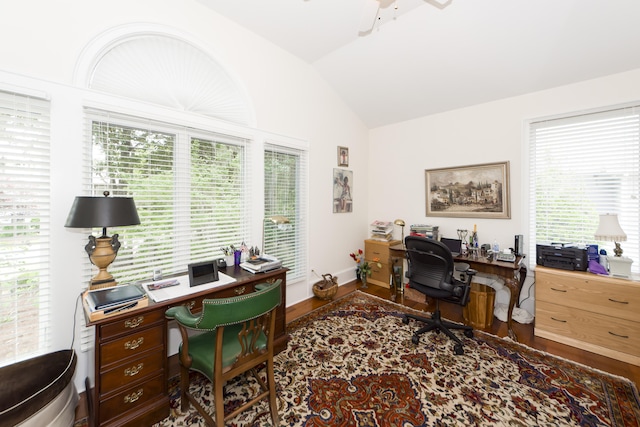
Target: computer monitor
454, 245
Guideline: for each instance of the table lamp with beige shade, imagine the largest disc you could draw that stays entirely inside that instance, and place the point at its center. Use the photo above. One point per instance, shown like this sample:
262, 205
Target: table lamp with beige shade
609, 230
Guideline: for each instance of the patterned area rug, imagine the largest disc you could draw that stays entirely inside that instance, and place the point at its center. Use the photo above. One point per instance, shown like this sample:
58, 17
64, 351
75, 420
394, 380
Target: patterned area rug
352, 363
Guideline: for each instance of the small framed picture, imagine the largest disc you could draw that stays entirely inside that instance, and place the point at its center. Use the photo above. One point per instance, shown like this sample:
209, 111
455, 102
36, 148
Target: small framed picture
343, 156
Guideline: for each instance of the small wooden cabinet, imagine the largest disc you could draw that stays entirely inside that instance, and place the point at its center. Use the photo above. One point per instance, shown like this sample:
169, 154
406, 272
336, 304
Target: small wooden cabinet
600, 314
379, 250
128, 385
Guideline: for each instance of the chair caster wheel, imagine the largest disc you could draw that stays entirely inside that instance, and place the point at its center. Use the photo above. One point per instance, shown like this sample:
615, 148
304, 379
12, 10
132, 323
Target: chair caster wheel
415, 339
468, 334
405, 320
457, 349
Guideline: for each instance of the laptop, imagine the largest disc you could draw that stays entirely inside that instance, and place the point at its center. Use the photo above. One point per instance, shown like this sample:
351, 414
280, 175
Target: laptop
454, 245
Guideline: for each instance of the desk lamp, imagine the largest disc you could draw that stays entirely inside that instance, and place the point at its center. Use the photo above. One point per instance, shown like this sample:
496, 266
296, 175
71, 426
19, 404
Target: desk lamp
278, 220
89, 212
400, 223
609, 230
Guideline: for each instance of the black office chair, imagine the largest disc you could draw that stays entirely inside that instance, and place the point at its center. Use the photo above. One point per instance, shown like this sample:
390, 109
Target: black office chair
431, 272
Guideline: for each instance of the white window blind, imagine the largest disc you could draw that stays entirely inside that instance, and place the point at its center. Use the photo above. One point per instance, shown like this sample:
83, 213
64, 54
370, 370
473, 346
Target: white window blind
285, 189
25, 320
191, 189
582, 166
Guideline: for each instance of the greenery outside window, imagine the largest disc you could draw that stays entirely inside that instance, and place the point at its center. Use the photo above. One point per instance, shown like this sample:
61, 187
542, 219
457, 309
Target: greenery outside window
584, 165
25, 288
191, 188
285, 183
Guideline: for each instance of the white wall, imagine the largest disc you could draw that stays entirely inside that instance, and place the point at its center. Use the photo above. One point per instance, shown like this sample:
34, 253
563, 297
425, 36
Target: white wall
289, 98
492, 132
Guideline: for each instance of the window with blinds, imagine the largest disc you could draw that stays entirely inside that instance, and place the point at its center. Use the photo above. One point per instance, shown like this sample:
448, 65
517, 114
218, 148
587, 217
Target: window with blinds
583, 166
191, 189
285, 184
25, 320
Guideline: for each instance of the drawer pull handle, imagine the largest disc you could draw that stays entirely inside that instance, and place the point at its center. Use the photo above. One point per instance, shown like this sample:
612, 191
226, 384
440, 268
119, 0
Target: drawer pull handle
130, 398
558, 290
240, 290
271, 281
190, 304
133, 323
134, 370
618, 335
132, 345
619, 302
559, 320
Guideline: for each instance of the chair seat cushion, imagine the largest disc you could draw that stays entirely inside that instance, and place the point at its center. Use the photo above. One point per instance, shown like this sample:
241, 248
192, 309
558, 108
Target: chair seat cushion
201, 348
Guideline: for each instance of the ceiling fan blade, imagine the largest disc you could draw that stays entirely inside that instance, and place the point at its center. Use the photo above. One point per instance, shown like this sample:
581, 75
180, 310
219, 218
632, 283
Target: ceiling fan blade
369, 16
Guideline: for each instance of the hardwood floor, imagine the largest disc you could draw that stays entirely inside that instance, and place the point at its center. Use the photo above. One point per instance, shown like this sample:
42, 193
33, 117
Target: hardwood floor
454, 312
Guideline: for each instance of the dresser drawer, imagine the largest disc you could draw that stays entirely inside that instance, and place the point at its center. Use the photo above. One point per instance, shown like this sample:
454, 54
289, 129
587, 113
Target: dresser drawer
131, 398
585, 291
132, 323
601, 330
381, 274
133, 371
376, 250
131, 345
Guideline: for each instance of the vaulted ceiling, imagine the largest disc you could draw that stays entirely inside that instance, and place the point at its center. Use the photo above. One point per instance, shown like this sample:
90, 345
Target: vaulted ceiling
393, 61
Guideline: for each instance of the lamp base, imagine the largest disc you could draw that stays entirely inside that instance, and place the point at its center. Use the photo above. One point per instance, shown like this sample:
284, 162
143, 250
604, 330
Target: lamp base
101, 284
620, 266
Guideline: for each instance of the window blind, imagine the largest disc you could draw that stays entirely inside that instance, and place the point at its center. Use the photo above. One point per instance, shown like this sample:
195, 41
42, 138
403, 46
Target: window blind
582, 166
25, 321
285, 194
191, 189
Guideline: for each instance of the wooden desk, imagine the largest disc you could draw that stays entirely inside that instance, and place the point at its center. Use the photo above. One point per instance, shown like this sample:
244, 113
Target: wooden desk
128, 385
513, 274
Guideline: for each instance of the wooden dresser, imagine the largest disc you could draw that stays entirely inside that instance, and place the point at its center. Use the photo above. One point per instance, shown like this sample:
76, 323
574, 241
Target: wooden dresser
377, 249
600, 314
128, 385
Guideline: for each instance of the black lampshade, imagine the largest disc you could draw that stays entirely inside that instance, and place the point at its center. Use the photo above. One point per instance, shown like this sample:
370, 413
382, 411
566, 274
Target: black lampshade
90, 212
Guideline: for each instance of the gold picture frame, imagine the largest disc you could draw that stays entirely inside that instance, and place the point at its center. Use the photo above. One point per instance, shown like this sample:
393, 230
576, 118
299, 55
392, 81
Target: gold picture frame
343, 156
475, 191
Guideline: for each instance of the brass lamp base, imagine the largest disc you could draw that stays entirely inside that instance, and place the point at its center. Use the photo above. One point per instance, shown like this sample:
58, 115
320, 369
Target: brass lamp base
102, 252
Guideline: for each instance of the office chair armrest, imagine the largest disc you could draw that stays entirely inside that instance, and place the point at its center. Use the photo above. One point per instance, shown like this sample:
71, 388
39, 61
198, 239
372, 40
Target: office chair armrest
183, 316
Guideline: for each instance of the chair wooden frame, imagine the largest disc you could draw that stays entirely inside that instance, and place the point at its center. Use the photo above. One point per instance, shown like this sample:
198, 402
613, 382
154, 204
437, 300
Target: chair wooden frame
246, 324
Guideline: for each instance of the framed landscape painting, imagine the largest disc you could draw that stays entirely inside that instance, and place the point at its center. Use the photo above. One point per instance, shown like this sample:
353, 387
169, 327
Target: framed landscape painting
476, 191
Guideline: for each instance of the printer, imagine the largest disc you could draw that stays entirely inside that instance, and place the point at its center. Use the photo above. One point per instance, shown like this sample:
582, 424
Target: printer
562, 255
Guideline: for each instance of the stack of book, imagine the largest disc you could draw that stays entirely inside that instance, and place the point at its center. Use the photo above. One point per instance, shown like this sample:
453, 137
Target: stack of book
261, 264
424, 230
114, 300
382, 230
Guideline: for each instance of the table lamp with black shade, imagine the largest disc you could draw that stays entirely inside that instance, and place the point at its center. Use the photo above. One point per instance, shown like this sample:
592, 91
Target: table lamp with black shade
90, 212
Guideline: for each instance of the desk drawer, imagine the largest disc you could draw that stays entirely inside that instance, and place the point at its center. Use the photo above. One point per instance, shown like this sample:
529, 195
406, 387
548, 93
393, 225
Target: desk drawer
381, 274
130, 324
133, 371
604, 331
131, 345
131, 398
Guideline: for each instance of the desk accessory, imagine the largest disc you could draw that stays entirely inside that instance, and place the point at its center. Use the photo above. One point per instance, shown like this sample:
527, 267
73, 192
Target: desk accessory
89, 212
203, 272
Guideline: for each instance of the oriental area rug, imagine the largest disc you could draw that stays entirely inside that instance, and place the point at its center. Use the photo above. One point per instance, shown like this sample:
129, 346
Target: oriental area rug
352, 363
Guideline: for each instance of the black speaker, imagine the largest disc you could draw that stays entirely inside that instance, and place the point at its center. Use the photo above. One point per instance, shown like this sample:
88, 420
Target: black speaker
518, 245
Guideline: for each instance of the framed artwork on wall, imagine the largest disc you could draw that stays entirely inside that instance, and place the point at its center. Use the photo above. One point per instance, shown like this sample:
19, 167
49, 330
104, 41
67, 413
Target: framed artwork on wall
476, 191
343, 156
342, 191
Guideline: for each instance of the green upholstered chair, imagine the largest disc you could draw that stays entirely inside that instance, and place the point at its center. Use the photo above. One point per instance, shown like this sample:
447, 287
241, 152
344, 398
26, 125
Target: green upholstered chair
237, 338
